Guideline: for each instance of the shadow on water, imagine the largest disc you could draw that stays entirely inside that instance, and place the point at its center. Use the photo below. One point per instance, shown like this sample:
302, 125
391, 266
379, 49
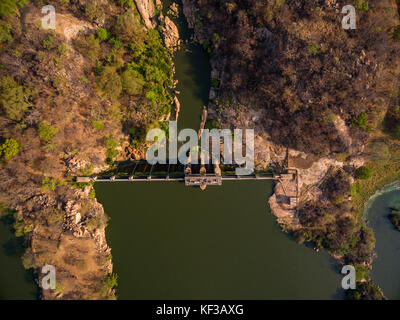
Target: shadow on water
14, 247
199, 71
385, 267
193, 71
180, 22
340, 293
15, 281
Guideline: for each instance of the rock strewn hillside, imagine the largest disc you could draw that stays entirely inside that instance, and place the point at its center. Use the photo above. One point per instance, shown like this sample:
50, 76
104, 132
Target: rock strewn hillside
72, 102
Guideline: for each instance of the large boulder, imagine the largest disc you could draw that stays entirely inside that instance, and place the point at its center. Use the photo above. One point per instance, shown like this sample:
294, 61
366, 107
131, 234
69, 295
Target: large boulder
171, 34
147, 12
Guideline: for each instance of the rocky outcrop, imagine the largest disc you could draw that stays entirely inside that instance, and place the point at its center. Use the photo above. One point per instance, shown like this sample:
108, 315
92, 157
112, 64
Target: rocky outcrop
177, 107
147, 12
285, 215
69, 234
174, 10
170, 34
159, 5
189, 10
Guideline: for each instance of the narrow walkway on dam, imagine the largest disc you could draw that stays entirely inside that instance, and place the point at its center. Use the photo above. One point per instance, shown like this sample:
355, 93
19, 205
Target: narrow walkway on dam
191, 174
199, 175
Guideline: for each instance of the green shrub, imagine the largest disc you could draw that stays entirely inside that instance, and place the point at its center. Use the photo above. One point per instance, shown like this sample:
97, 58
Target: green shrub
109, 83
59, 288
354, 189
92, 194
361, 271
94, 10
110, 142
212, 124
87, 170
363, 173
62, 49
361, 121
49, 184
98, 69
96, 222
98, 125
28, 259
23, 227
215, 82
102, 34
152, 68
111, 153
314, 49
365, 291
55, 217
10, 148
49, 43
5, 32
14, 99
89, 46
215, 38
129, 3
116, 43
46, 131
396, 33
392, 121
361, 5
395, 220
9, 7
128, 27
93, 48
132, 82
396, 131
84, 79
110, 282
116, 58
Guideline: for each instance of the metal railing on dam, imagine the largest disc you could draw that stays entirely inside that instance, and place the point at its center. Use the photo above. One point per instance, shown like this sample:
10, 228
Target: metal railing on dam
183, 178
196, 175
199, 175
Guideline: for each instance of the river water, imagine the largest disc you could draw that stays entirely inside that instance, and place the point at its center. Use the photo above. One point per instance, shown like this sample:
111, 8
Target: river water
15, 282
170, 241
192, 70
385, 268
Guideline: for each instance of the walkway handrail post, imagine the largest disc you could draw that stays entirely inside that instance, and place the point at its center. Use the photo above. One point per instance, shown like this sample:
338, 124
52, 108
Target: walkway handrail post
134, 168
151, 170
116, 171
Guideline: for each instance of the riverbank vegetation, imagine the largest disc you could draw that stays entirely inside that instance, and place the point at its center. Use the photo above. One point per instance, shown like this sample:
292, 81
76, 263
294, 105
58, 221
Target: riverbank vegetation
394, 217
384, 164
365, 291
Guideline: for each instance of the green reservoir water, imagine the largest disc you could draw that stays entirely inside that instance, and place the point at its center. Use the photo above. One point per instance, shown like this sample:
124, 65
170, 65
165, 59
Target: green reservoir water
385, 269
170, 241
193, 71
15, 282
